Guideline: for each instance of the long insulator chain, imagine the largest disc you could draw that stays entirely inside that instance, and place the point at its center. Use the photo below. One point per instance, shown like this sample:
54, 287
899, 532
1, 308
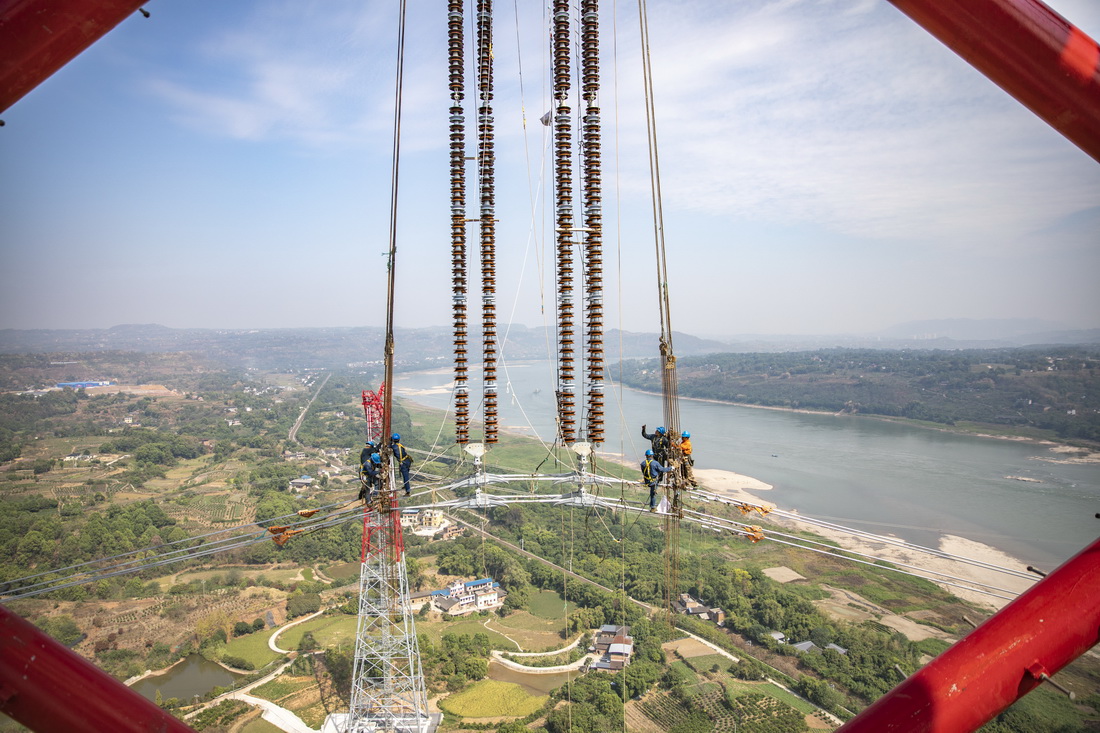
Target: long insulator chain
593, 217
563, 180
459, 285
486, 166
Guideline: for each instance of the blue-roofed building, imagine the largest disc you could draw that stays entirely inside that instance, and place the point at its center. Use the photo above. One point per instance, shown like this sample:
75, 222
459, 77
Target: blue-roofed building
462, 597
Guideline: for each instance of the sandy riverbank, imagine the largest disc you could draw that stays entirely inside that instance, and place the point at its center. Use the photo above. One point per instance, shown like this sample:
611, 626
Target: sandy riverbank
746, 488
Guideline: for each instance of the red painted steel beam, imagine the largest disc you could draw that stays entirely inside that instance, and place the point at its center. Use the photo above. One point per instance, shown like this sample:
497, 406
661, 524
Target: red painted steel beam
38, 37
1046, 628
1030, 51
47, 687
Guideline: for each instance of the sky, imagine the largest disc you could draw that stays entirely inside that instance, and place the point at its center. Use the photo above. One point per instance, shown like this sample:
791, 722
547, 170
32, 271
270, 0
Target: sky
827, 167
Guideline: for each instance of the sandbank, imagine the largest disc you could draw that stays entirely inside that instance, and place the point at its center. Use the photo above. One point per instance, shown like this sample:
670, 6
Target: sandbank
746, 488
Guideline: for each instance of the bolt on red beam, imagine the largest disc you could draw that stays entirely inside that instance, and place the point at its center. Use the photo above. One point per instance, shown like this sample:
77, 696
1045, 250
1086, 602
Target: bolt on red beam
1030, 51
1034, 636
38, 37
47, 687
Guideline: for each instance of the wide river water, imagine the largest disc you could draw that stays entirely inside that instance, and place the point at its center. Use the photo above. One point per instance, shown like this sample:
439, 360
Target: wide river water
871, 474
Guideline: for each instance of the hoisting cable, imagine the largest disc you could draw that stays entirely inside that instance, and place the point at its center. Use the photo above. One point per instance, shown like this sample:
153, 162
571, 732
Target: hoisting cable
675, 483
160, 548
814, 521
160, 558
775, 533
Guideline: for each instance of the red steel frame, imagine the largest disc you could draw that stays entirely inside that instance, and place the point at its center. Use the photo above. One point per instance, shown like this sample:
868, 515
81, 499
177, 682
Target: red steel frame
1033, 53
1046, 628
47, 687
38, 37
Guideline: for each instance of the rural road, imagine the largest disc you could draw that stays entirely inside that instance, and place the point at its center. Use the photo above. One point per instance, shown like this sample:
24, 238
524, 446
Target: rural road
292, 436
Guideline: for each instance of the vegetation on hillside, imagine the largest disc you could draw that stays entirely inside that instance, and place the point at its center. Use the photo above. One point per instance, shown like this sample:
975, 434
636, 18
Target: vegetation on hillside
1054, 389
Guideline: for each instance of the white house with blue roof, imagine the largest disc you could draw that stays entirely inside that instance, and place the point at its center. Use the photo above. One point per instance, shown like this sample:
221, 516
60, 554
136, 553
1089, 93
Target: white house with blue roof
462, 597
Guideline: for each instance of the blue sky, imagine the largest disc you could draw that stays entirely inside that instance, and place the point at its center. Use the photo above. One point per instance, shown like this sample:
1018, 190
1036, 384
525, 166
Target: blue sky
827, 167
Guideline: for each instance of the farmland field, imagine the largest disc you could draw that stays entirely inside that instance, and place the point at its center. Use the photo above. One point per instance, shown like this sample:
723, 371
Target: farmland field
490, 699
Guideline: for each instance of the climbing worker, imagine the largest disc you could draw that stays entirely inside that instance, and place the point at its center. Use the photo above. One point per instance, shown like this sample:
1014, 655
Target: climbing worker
652, 470
364, 455
686, 461
371, 476
366, 474
404, 460
658, 443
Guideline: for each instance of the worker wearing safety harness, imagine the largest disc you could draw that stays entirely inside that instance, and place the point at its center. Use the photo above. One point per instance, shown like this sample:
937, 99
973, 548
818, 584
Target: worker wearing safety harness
371, 472
404, 460
652, 470
687, 461
658, 443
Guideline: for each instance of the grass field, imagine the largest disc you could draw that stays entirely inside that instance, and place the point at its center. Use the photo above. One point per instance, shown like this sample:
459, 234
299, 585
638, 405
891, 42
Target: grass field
435, 630
548, 604
343, 571
259, 725
707, 661
282, 686
766, 688
533, 633
491, 699
329, 631
253, 648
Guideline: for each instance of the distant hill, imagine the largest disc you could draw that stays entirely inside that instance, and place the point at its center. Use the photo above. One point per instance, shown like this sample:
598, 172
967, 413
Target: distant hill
296, 348
279, 348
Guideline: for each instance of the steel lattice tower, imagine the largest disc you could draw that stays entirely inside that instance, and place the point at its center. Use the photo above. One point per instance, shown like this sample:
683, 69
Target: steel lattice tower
387, 689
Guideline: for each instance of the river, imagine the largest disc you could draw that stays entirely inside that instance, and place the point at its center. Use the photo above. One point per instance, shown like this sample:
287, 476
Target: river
881, 476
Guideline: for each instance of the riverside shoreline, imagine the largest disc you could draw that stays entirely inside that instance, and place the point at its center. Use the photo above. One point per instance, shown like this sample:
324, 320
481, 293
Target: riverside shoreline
1091, 454
745, 488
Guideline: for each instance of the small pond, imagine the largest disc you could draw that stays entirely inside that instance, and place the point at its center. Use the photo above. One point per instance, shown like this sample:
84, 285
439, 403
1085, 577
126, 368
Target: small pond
536, 684
195, 675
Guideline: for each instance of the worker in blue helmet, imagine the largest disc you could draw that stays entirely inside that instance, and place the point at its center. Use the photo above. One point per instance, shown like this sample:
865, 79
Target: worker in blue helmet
686, 461
652, 470
404, 460
659, 443
371, 476
364, 455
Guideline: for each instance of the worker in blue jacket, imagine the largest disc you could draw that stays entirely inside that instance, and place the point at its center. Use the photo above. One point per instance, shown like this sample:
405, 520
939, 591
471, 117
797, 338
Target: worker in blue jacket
659, 443
652, 470
371, 475
404, 460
